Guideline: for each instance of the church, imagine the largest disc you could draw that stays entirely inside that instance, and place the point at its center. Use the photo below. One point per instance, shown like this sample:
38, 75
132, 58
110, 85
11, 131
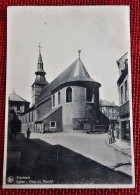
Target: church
69, 103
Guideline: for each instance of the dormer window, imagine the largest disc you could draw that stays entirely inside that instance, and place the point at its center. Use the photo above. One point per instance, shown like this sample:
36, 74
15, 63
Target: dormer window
69, 94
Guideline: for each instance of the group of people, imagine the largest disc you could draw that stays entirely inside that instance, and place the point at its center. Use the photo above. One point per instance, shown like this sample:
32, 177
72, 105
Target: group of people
111, 133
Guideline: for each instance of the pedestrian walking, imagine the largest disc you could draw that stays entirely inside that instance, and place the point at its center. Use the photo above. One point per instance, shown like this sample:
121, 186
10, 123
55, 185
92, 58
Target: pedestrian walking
117, 128
110, 133
113, 136
28, 133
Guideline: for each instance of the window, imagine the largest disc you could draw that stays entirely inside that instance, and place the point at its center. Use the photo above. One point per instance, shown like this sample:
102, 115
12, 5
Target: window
53, 99
32, 116
121, 94
18, 107
52, 124
126, 63
126, 92
90, 96
69, 94
59, 98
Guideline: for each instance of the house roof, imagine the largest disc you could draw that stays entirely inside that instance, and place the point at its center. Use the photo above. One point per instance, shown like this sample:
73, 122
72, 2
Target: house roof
75, 72
28, 110
48, 114
107, 103
123, 58
15, 97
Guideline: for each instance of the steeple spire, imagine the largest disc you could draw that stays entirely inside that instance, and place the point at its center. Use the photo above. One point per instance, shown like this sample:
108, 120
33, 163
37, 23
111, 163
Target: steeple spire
40, 73
39, 48
40, 81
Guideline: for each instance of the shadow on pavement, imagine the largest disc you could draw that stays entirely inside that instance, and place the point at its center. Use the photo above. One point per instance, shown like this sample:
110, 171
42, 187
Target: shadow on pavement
45, 162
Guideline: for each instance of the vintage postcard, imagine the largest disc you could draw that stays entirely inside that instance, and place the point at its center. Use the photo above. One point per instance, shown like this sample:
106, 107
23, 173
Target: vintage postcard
68, 121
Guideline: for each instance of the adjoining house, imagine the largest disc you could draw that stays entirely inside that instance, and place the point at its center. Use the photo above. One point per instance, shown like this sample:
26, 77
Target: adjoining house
111, 110
16, 106
69, 103
123, 89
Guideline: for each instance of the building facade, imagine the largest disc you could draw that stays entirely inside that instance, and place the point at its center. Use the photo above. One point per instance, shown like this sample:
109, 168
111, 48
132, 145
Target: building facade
69, 103
123, 89
16, 106
111, 110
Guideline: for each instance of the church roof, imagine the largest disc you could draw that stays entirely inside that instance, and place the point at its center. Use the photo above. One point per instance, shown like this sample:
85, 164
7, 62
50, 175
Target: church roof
48, 114
14, 97
75, 72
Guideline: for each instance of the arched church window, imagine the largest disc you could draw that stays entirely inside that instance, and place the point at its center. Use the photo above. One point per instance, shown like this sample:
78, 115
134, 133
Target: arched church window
69, 94
53, 103
59, 98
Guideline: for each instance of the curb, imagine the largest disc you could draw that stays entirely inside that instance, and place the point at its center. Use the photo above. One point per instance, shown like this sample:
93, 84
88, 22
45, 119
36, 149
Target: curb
115, 147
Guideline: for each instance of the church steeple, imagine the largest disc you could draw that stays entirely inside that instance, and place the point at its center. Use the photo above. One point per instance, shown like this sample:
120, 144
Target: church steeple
40, 81
40, 73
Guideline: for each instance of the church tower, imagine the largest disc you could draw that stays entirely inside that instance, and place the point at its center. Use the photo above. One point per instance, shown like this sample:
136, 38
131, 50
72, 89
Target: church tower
40, 81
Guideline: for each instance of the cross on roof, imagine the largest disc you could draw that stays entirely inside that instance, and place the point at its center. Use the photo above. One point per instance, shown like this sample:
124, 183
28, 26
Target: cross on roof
39, 47
79, 51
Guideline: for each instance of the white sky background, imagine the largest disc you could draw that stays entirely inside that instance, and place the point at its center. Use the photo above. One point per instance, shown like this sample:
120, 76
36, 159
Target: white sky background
100, 32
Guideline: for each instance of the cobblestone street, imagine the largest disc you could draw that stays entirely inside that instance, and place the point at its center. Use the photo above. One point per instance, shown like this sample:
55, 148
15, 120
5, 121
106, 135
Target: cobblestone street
62, 158
93, 146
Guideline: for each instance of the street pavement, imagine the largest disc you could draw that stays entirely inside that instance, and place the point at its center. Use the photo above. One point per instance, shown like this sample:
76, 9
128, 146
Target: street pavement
93, 146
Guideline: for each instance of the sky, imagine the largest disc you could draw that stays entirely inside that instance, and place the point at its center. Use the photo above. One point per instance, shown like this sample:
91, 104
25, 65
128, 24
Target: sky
100, 32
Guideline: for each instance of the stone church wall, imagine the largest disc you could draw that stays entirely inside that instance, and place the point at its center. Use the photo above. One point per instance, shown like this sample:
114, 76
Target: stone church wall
78, 108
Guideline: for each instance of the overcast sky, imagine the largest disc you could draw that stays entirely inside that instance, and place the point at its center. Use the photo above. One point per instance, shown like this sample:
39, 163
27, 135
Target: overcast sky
100, 32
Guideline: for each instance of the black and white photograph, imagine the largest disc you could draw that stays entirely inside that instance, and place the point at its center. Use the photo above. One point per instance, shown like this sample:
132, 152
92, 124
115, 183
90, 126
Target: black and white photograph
68, 118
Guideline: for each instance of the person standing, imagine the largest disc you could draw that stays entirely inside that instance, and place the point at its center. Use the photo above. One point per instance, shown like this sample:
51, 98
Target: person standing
110, 133
117, 128
113, 136
28, 133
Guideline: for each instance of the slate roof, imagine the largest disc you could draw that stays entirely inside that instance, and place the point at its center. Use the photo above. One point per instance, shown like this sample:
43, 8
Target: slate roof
28, 110
75, 72
107, 103
48, 114
14, 97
